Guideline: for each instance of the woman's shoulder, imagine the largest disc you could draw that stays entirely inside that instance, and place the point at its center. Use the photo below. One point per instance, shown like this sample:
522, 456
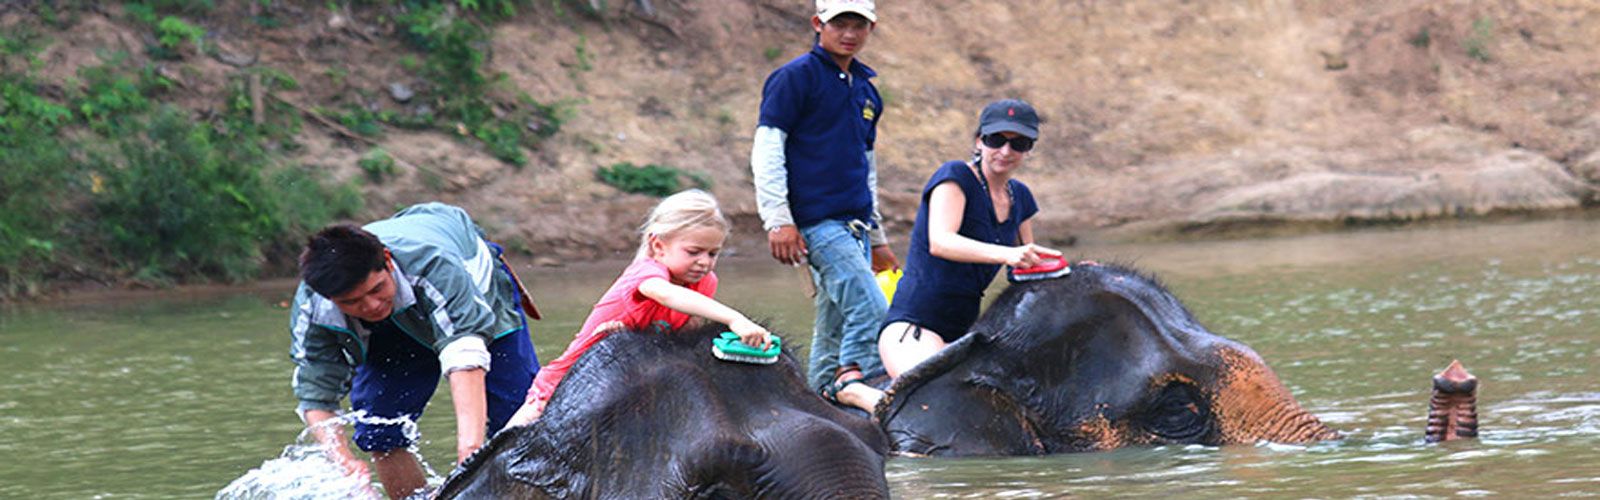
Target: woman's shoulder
950, 170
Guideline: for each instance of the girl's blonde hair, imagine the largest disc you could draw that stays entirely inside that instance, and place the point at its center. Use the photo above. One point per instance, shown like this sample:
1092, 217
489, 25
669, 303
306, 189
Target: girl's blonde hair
686, 209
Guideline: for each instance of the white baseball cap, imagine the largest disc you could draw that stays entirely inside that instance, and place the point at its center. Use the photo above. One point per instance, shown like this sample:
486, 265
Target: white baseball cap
827, 9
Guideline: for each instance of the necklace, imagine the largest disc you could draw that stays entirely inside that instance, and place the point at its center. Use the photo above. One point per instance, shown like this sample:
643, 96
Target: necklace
983, 180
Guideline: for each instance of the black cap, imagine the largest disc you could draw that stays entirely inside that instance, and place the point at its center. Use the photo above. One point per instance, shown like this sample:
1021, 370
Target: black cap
1009, 115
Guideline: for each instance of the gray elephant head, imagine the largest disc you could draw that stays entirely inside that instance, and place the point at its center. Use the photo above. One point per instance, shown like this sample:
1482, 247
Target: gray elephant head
654, 415
1099, 359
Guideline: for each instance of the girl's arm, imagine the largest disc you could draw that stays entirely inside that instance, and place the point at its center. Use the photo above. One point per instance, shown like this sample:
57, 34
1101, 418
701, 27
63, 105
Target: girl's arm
693, 303
945, 206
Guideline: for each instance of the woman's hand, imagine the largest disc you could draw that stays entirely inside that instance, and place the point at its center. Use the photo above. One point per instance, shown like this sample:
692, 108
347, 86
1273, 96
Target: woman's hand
750, 333
1029, 255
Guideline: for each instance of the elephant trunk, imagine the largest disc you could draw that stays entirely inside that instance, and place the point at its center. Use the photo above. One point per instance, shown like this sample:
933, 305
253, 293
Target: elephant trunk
1253, 405
1453, 410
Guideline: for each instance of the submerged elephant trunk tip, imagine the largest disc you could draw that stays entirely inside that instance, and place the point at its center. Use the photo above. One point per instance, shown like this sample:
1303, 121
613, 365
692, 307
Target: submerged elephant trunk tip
1453, 409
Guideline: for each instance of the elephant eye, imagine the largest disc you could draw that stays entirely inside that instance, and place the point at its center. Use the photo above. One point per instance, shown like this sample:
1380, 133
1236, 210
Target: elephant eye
1178, 414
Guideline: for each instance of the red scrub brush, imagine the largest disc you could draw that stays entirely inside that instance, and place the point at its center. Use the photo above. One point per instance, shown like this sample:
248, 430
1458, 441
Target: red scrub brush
1049, 268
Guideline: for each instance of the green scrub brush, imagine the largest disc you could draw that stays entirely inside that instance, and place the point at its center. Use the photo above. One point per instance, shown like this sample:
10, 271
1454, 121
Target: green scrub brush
729, 348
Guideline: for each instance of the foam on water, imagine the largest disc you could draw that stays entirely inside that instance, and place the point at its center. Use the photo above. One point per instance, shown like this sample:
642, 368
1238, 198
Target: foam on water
304, 470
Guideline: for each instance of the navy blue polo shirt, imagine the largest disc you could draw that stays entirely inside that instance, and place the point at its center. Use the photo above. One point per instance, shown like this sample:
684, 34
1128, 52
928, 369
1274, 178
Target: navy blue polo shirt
944, 295
831, 120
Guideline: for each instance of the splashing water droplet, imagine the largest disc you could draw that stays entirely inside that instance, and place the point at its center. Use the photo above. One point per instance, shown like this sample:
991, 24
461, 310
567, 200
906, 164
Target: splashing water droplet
305, 471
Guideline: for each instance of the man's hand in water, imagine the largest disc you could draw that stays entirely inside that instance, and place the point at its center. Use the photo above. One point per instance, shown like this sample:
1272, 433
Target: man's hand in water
327, 428
353, 467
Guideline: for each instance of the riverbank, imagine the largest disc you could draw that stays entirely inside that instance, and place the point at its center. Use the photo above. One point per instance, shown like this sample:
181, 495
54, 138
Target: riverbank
1161, 122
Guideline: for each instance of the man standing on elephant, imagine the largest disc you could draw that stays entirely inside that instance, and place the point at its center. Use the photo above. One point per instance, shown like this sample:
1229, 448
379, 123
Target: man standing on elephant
383, 310
816, 187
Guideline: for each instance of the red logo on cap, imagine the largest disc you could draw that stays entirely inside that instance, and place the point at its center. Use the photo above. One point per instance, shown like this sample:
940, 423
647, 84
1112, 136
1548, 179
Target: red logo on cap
1011, 111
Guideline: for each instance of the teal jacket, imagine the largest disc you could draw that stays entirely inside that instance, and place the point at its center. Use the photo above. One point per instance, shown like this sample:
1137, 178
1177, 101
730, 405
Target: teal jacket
449, 285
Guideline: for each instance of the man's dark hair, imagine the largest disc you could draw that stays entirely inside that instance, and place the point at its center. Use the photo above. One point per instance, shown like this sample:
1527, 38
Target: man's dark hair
339, 257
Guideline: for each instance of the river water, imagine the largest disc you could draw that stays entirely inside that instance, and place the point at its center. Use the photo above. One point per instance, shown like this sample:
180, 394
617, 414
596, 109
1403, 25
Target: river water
178, 394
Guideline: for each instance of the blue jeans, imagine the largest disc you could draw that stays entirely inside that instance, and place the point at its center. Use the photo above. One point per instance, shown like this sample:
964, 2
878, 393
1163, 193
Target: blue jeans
850, 307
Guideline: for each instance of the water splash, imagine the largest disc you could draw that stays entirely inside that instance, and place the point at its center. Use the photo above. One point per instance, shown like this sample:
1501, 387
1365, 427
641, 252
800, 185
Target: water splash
304, 470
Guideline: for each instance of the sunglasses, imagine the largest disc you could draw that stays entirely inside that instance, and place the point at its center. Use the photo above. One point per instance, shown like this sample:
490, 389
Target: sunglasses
1019, 143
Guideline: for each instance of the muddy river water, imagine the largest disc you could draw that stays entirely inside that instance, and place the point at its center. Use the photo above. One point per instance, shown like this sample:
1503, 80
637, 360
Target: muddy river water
177, 394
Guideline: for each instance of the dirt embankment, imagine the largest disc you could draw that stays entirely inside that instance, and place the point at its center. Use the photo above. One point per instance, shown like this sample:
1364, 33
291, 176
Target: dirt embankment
1161, 117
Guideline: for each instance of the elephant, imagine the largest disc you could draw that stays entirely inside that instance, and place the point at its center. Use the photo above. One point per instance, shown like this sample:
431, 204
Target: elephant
652, 415
1102, 358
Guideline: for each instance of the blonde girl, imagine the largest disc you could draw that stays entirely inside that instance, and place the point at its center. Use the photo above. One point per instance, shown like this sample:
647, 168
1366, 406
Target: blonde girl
669, 280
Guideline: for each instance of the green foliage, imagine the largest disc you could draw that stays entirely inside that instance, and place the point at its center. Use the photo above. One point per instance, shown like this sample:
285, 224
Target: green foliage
21, 43
172, 32
491, 8
178, 203
305, 204
377, 164
360, 120
185, 6
581, 51
181, 201
654, 180
1422, 39
280, 121
22, 110
504, 140
109, 93
456, 55
1477, 43
336, 75
37, 171
772, 53
107, 181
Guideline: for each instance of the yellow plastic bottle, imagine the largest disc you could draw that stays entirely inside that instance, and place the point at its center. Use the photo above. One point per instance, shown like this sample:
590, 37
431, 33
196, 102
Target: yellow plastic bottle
887, 280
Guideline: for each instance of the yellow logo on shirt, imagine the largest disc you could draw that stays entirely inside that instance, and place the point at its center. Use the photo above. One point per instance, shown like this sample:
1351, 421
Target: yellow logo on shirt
867, 113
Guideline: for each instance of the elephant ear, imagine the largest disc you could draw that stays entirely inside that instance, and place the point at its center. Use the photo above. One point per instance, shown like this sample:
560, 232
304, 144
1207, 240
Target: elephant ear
932, 368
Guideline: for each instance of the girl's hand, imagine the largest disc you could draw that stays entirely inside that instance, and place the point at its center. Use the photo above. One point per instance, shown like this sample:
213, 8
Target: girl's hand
750, 333
610, 327
1029, 255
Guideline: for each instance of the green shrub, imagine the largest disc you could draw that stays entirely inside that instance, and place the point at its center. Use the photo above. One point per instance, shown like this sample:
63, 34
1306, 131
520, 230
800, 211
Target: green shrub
172, 32
304, 204
109, 93
456, 53
280, 121
37, 174
652, 179
176, 205
146, 190
360, 120
377, 164
1477, 43
1422, 39
180, 201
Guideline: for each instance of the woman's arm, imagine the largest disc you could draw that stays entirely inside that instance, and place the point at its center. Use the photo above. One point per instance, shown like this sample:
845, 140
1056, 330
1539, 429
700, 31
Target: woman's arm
945, 207
693, 303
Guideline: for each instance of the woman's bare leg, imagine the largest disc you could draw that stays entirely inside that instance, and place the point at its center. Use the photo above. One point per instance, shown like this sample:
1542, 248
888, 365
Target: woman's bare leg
904, 345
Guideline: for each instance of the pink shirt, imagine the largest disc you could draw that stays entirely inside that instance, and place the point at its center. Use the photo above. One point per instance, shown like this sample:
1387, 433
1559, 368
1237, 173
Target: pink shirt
624, 303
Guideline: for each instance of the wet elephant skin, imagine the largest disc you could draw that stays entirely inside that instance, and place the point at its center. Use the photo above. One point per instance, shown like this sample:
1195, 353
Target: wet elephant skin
649, 415
1102, 358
